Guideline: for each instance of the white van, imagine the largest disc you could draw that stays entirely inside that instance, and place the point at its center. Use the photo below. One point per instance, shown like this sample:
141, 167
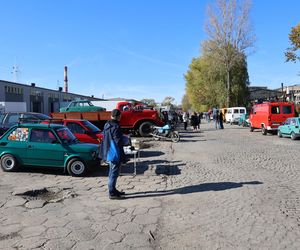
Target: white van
233, 114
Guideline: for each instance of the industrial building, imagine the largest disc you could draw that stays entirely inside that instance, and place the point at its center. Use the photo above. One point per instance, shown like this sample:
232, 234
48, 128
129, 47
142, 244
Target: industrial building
37, 99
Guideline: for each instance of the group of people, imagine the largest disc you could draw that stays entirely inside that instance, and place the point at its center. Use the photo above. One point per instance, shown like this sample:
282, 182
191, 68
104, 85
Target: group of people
194, 118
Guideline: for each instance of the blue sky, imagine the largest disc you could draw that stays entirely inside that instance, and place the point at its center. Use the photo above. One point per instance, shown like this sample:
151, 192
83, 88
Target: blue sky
131, 48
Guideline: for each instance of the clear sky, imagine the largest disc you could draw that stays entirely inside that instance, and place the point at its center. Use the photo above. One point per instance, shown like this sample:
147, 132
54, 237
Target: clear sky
131, 48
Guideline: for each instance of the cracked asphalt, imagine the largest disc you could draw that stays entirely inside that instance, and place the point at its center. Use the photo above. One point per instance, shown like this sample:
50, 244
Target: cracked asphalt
218, 189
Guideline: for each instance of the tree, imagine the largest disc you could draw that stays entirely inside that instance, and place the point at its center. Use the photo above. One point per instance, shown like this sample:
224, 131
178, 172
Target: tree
185, 103
206, 83
149, 102
168, 101
294, 37
230, 35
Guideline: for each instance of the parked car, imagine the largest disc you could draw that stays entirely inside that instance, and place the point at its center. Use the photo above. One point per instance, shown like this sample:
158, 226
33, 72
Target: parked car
46, 145
290, 128
84, 130
233, 114
268, 116
81, 106
9, 119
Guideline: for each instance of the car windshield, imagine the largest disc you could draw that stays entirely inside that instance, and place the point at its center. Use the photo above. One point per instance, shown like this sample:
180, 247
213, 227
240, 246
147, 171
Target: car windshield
1, 117
92, 127
66, 135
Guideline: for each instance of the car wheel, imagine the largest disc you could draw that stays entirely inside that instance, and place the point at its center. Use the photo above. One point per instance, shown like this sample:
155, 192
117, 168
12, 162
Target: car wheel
279, 134
293, 136
263, 130
76, 167
145, 129
9, 163
251, 128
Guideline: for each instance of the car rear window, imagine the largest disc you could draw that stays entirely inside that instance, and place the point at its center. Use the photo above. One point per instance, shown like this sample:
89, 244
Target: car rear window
286, 109
275, 110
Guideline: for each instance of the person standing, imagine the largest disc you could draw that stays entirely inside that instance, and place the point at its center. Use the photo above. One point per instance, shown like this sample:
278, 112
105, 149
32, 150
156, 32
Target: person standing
112, 151
185, 119
194, 120
221, 118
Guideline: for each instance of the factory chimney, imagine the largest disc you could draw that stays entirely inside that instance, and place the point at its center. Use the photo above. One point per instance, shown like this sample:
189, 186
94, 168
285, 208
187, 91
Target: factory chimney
66, 79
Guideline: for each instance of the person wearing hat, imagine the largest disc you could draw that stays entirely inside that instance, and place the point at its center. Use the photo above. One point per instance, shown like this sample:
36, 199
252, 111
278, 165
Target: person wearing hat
112, 151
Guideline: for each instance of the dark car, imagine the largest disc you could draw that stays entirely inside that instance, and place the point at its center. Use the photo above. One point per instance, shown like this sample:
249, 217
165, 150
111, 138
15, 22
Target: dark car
9, 119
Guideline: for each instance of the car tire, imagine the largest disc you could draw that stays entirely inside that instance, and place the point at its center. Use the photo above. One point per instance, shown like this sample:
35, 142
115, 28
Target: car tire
263, 130
251, 128
8, 163
145, 129
279, 134
293, 136
76, 167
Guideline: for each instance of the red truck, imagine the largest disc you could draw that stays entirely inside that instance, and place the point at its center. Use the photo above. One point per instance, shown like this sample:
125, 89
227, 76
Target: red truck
269, 115
134, 118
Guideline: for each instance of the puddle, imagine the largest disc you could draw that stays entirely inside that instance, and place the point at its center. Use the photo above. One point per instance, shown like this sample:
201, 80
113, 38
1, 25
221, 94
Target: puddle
49, 194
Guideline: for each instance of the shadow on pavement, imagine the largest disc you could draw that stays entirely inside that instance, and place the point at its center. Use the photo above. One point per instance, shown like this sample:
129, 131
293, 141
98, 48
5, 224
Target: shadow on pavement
218, 186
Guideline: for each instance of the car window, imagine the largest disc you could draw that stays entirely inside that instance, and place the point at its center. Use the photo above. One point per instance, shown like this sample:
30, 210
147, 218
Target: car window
91, 126
236, 111
36, 117
242, 111
12, 119
42, 135
275, 110
229, 111
75, 128
65, 135
286, 109
18, 134
1, 117
293, 122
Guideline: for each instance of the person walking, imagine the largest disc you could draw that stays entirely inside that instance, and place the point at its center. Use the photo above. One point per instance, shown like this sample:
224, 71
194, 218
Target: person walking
194, 120
221, 119
112, 151
185, 119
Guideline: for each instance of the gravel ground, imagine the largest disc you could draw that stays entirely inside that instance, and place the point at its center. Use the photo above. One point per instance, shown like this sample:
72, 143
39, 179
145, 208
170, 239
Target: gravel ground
218, 189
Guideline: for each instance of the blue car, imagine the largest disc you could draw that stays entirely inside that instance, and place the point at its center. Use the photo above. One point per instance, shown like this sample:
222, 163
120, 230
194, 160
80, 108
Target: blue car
290, 128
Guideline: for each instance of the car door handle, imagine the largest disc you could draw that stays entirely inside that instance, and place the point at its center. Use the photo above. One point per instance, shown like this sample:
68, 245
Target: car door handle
30, 146
3, 143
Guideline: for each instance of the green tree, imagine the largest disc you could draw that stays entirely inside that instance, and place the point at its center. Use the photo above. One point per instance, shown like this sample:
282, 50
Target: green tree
206, 82
185, 103
294, 37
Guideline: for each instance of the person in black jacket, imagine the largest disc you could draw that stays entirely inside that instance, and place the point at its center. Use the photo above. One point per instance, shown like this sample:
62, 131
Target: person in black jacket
113, 152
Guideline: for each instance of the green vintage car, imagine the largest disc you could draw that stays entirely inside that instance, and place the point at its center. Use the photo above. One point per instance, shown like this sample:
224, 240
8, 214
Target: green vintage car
81, 106
46, 145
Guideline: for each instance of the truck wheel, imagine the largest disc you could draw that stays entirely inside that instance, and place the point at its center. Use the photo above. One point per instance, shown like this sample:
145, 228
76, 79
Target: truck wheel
76, 167
293, 136
251, 128
279, 134
145, 129
263, 130
8, 163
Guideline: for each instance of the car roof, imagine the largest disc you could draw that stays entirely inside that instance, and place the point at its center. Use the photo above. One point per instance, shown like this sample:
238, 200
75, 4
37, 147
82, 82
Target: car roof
38, 125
